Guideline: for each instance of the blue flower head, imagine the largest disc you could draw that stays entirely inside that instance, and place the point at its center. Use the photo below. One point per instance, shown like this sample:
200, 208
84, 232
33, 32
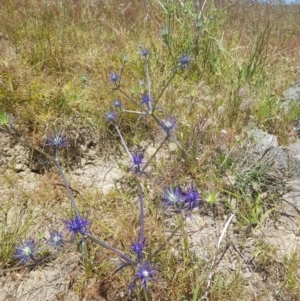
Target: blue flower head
78, 224
192, 199
138, 248
57, 140
185, 61
168, 124
173, 198
56, 239
25, 251
146, 100
137, 161
144, 52
114, 77
118, 104
111, 116
145, 275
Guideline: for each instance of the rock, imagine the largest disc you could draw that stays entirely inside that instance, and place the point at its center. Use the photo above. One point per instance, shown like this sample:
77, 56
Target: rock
20, 167
292, 93
267, 150
293, 152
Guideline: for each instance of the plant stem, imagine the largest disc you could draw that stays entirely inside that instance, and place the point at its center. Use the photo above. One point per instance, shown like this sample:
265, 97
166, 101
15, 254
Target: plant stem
112, 249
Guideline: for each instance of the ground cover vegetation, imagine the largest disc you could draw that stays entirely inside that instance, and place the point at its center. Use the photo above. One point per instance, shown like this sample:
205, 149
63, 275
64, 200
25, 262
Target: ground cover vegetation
189, 78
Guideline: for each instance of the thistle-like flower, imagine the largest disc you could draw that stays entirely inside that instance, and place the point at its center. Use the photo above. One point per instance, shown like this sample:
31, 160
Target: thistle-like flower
56, 239
118, 104
57, 140
111, 116
144, 52
192, 199
168, 124
185, 61
78, 224
114, 77
146, 100
137, 161
26, 251
173, 198
138, 248
144, 274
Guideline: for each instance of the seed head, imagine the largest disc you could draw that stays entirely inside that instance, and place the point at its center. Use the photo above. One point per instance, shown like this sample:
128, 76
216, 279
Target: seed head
25, 251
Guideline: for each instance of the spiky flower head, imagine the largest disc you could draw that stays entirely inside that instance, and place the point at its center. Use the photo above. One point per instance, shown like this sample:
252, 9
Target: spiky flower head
56, 239
192, 199
144, 51
185, 61
111, 116
57, 140
138, 248
114, 77
25, 251
137, 161
146, 100
118, 104
168, 124
173, 198
78, 225
145, 274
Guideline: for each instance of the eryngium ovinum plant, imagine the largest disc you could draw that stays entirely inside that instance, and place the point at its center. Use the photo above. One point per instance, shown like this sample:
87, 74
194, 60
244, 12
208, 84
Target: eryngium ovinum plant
174, 198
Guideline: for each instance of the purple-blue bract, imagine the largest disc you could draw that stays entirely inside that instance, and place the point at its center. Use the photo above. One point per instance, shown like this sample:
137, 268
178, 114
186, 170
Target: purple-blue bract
168, 124
111, 116
192, 199
25, 251
185, 61
179, 200
145, 274
138, 248
173, 198
137, 161
78, 224
145, 99
114, 77
117, 103
56, 239
144, 51
57, 140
